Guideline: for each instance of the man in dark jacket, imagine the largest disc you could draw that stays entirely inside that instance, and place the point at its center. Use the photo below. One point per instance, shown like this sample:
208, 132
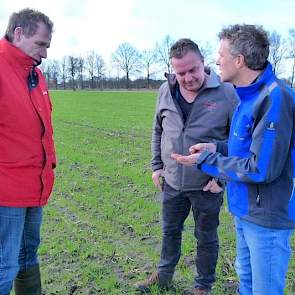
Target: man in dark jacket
193, 106
27, 155
258, 161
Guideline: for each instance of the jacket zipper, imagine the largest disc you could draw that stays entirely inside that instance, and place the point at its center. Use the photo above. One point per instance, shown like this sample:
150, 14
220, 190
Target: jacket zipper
181, 166
258, 199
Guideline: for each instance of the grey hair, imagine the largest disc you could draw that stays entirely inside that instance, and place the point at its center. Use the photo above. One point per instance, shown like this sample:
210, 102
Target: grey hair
250, 41
181, 47
28, 20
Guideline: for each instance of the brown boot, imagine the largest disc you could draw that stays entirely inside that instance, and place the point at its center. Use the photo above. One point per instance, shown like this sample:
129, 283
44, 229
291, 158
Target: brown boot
202, 291
153, 280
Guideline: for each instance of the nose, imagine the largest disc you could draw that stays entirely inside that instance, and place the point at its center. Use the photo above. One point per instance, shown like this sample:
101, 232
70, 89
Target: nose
218, 61
43, 53
188, 77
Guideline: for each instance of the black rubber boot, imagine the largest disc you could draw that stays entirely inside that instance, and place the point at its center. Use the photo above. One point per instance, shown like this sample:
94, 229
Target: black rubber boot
28, 282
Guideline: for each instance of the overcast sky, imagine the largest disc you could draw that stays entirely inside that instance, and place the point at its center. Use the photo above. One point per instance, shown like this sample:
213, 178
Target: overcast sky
101, 25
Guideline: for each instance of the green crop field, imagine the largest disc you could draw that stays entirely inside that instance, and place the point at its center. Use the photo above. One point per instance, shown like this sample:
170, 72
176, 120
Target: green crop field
102, 230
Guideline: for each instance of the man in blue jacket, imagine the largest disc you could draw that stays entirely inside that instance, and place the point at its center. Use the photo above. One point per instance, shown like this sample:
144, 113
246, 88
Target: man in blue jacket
258, 161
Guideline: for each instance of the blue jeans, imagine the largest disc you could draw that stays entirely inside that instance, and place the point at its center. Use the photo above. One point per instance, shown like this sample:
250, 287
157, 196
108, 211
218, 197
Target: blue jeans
175, 209
19, 242
262, 258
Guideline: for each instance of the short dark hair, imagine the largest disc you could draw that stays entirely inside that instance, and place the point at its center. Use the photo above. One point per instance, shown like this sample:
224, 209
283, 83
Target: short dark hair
181, 47
250, 41
28, 20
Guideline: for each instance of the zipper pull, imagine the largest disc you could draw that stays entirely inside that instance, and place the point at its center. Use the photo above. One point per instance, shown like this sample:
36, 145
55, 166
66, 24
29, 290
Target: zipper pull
258, 200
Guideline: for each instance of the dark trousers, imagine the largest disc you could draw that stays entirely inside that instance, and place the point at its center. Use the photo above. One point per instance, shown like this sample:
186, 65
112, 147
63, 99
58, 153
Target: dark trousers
175, 209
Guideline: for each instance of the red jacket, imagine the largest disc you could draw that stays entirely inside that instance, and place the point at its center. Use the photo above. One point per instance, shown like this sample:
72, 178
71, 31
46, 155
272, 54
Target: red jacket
27, 154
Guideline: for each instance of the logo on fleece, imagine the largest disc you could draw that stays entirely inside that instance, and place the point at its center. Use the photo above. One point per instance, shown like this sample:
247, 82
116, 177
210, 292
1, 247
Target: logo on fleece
210, 105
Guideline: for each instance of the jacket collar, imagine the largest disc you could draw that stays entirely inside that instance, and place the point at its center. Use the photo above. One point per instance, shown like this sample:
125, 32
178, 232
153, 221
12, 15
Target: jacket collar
15, 56
263, 78
213, 80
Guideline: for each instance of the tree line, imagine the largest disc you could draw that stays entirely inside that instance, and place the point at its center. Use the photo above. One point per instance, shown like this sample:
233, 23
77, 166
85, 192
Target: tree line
132, 68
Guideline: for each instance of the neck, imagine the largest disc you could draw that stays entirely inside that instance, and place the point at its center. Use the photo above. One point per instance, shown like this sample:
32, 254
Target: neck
246, 77
189, 96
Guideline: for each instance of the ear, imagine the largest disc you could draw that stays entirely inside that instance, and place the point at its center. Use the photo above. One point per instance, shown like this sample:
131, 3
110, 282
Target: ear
17, 34
240, 61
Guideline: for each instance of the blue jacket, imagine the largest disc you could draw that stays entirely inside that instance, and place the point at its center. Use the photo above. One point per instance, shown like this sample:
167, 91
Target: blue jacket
258, 161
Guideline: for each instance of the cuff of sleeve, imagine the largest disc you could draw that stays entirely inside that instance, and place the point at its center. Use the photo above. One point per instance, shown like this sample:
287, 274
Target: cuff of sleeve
218, 146
157, 167
204, 155
221, 147
220, 182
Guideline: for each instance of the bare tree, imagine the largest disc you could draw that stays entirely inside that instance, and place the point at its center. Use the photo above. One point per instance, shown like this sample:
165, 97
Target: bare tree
100, 68
163, 51
149, 58
90, 65
73, 69
53, 69
80, 68
128, 59
63, 71
207, 52
277, 50
44, 67
291, 54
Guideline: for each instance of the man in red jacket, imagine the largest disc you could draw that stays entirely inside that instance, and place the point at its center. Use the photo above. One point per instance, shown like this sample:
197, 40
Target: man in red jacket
27, 155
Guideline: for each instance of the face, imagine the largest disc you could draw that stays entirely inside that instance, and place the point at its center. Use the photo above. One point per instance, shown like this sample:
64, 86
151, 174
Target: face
228, 64
35, 46
189, 71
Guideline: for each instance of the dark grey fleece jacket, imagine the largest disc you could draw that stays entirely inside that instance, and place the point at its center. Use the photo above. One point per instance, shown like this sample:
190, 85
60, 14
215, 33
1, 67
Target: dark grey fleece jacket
209, 120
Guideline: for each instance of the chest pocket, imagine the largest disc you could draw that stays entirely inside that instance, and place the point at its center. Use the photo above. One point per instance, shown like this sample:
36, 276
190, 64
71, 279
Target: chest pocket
241, 136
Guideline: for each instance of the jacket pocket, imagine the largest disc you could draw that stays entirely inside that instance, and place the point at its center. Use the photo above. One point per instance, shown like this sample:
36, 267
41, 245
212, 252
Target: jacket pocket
259, 196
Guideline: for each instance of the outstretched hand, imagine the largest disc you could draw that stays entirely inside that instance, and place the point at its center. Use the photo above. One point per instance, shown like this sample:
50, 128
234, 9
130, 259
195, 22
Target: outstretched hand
195, 152
201, 147
185, 160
